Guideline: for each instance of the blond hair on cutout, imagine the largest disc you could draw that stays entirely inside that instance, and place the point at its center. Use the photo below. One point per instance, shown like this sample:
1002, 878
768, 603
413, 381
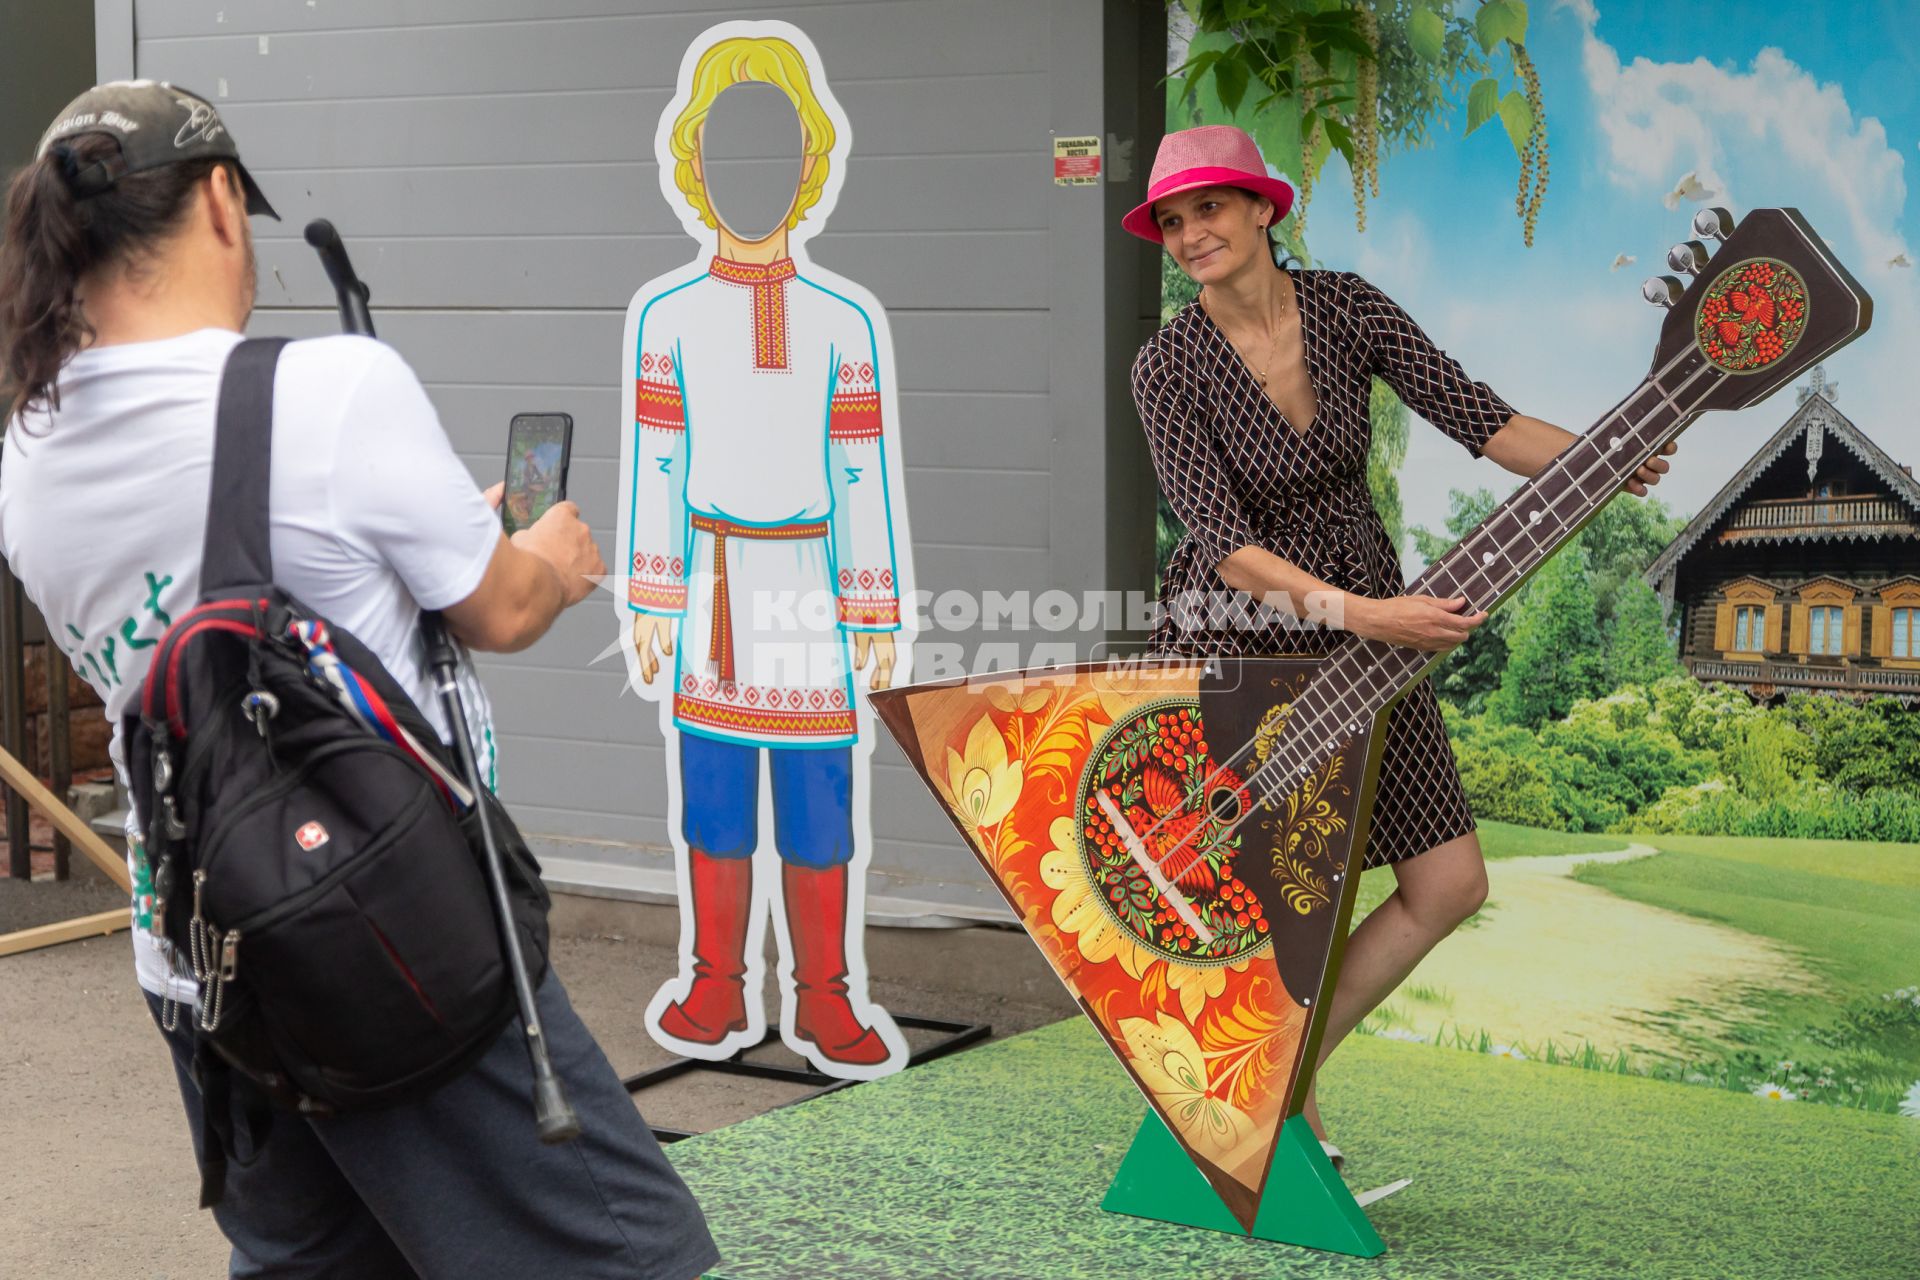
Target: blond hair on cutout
744, 60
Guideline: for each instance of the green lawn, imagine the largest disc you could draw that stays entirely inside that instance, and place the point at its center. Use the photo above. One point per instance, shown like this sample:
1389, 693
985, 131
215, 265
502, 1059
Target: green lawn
1896, 866
1840, 905
1505, 840
992, 1165
1497, 840
1849, 910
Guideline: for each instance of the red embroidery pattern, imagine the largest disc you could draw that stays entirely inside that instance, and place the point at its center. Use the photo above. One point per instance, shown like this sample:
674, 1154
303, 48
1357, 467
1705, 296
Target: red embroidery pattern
1752, 315
764, 712
769, 285
854, 413
656, 400
657, 582
867, 598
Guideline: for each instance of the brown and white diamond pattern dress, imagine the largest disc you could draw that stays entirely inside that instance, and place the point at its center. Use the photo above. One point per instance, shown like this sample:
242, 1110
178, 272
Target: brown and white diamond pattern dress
1238, 474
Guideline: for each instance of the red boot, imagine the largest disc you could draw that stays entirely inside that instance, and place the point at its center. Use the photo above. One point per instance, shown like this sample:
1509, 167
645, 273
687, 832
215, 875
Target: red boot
817, 924
716, 1003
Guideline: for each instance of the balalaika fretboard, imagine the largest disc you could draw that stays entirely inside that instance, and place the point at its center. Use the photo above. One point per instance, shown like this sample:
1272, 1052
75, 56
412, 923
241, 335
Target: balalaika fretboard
1487, 566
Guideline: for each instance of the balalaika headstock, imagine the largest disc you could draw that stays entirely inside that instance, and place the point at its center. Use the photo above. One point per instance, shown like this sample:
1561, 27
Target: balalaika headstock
1768, 305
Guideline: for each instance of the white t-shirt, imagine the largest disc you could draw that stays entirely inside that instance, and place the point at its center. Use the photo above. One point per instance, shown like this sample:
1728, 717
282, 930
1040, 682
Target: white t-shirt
103, 511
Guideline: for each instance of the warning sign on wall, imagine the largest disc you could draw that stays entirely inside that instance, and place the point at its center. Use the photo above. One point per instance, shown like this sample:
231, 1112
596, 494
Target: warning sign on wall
1076, 162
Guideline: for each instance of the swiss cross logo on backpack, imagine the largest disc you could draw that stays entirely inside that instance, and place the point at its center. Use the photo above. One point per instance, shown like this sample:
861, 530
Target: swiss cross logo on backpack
311, 836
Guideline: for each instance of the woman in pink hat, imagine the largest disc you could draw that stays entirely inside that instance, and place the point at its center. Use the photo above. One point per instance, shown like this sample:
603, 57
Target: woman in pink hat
1255, 403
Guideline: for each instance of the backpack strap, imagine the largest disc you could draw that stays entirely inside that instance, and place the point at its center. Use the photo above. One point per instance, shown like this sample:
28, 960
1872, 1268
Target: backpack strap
238, 549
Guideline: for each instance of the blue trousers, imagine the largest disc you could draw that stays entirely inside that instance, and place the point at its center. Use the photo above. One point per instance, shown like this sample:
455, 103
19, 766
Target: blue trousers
456, 1185
812, 800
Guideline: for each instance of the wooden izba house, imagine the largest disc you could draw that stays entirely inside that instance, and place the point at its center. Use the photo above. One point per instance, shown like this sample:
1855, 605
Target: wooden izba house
1803, 572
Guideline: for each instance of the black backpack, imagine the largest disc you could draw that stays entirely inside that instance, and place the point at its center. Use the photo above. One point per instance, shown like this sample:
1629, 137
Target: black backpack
315, 854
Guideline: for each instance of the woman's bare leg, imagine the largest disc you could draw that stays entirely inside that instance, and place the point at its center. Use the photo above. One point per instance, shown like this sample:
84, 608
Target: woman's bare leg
1438, 891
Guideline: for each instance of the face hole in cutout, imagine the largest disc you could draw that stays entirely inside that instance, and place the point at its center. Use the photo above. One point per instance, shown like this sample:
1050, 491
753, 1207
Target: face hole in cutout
751, 153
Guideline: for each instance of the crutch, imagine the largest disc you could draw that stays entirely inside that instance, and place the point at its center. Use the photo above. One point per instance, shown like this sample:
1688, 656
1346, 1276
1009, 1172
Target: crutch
553, 1114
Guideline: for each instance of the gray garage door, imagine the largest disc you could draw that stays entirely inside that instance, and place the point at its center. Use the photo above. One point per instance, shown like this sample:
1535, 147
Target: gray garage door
490, 162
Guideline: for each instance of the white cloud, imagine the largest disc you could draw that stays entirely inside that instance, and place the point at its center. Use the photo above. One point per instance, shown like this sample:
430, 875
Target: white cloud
1734, 128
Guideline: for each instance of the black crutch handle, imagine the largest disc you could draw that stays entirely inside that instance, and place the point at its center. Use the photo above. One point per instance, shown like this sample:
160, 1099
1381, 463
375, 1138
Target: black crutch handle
350, 291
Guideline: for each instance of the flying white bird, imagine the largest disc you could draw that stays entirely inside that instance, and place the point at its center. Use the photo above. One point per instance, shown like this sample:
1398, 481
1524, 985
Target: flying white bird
1622, 260
1688, 188
1900, 260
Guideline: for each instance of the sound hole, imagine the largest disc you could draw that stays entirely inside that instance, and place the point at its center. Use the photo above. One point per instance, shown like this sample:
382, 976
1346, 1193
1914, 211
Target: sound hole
1156, 808
1225, 804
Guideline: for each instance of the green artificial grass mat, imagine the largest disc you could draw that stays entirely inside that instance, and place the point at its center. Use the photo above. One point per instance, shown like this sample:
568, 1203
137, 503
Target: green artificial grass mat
991, 1165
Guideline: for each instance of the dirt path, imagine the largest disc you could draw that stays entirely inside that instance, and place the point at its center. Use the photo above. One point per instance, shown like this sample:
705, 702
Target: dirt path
1554, 959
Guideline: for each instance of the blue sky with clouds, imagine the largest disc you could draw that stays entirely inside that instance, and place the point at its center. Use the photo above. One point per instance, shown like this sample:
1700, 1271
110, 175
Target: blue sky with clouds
1808, 105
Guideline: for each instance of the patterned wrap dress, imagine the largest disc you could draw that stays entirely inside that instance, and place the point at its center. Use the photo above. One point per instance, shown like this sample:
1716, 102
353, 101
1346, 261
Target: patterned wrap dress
1238, 474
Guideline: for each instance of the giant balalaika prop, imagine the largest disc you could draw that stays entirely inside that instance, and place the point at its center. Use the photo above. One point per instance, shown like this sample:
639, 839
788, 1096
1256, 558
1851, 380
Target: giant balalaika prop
1182, 837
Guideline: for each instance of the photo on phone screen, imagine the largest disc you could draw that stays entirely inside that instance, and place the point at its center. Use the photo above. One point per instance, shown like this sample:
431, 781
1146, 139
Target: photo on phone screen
538, 446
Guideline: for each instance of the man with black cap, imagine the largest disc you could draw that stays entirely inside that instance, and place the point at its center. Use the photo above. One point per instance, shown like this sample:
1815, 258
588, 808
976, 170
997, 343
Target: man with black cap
126, 278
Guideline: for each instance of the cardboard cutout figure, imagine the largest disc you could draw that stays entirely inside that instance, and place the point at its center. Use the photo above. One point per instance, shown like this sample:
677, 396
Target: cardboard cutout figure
764, 519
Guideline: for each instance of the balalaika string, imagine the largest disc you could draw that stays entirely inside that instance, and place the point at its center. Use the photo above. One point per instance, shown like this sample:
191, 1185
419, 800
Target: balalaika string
1399, 664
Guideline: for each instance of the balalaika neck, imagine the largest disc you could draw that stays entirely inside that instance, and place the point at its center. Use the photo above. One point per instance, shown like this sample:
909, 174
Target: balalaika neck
1362, 677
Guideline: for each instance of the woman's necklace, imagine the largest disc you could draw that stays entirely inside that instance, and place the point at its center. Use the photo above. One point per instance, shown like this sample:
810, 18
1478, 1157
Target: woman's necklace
1271, 335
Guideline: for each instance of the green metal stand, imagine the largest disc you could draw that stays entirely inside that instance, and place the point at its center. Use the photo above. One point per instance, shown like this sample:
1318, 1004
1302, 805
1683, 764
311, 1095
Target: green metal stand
1305, 1203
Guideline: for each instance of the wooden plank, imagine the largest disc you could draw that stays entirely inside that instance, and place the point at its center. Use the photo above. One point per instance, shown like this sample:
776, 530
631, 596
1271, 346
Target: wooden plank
941, 428
946, 503
52, 935
168, 19
919, 270
935, 350
64, 820
991, 111
905, 39
1001, 192
113, 40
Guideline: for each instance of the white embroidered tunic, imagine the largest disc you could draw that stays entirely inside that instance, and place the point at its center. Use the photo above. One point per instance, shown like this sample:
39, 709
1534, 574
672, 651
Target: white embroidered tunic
760, 509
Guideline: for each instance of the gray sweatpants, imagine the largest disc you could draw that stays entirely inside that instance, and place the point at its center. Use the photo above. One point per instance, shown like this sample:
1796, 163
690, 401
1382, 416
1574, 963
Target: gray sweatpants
456, 1186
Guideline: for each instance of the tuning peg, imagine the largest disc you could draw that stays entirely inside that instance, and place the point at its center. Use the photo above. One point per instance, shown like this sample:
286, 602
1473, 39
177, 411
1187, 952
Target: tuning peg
1663, 291
1689, 256
1715, 223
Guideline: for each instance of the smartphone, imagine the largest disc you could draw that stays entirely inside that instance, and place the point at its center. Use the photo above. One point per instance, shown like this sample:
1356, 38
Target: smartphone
539, 447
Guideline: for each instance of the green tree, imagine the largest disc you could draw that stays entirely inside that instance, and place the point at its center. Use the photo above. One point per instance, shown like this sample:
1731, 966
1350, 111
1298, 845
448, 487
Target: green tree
1637, 648
1469, 674
1621, 541
1385, 456
1308, 78
1859, 747
1507, 786
1553, 645
1767, 758
1623, 538
1632, 759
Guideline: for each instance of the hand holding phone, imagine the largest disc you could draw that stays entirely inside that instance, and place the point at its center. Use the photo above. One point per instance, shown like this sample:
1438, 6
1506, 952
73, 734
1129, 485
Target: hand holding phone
539, 449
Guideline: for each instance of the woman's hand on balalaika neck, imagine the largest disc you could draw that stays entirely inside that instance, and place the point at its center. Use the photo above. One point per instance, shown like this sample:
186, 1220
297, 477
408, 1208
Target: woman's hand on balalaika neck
1427, 623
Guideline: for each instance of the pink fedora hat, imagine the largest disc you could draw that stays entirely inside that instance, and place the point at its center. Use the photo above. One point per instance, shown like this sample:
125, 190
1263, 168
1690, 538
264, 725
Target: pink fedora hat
1214, 155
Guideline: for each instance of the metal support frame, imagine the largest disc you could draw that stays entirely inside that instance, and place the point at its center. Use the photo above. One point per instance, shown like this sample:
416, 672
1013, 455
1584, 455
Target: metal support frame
955, 1037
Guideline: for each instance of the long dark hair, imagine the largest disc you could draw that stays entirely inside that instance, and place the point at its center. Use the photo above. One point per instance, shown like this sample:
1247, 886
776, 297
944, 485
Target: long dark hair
53, 238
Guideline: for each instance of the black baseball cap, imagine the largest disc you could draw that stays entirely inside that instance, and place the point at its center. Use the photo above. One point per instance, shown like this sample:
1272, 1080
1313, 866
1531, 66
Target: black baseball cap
156, 124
